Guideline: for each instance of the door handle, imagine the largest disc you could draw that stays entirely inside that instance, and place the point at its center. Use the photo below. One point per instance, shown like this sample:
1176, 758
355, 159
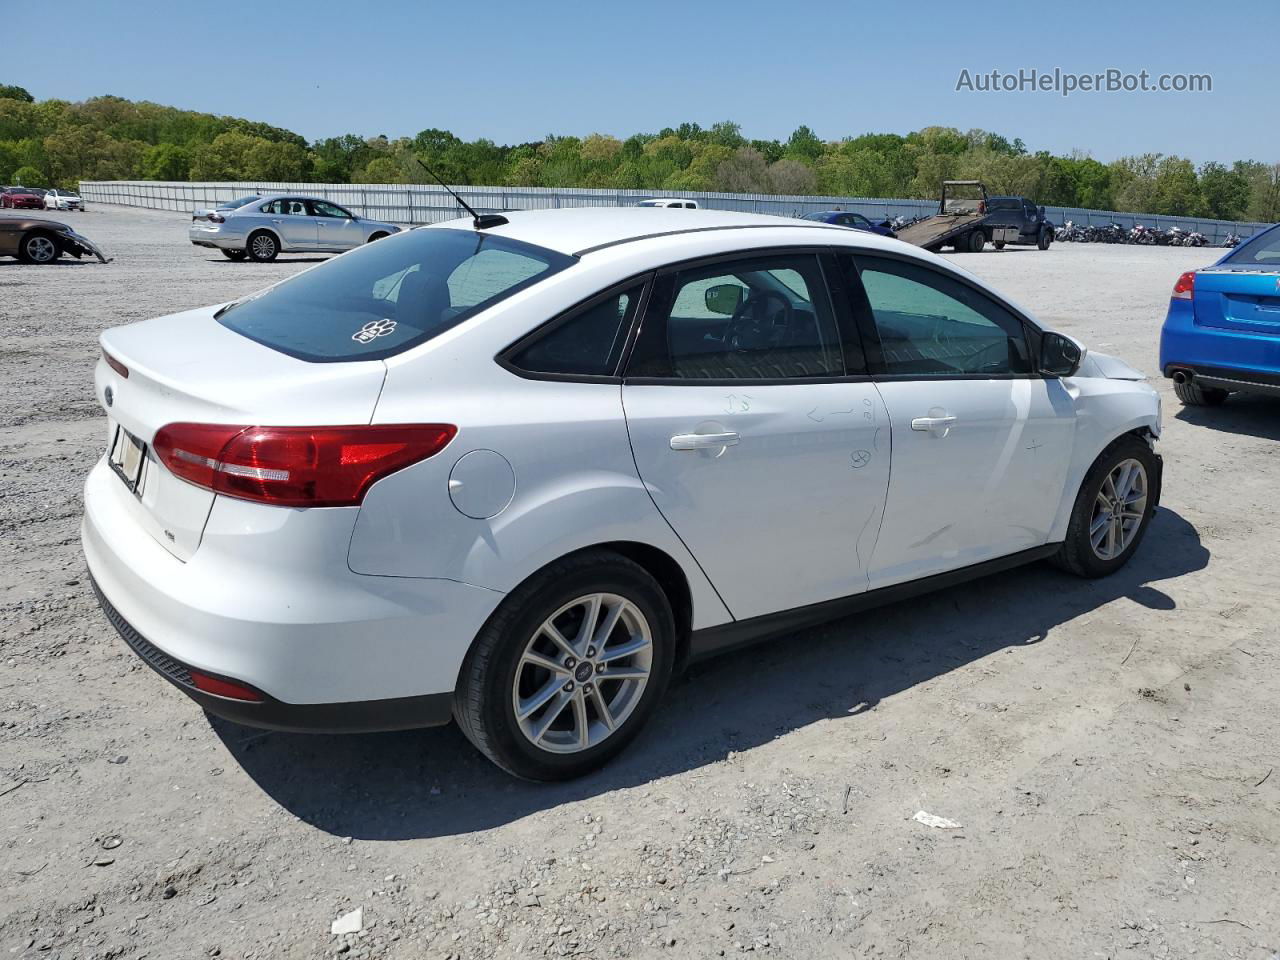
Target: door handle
277, 221
938, 426
703, 441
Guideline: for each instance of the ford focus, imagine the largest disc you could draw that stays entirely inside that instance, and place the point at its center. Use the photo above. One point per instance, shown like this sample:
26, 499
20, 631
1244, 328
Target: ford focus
519, 472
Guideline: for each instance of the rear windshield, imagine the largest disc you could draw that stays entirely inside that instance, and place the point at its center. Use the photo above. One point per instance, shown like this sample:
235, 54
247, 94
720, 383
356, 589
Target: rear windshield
386, 297
1004, 203
1262, 249
239, 202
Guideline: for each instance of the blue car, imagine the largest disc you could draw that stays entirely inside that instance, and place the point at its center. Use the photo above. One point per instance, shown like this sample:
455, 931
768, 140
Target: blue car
847, 218
1222, 333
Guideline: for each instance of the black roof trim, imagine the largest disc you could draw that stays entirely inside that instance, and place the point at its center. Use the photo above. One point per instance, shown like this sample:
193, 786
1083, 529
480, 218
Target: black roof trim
807, 225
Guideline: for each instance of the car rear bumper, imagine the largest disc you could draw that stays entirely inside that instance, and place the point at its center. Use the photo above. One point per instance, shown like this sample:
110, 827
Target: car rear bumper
264, 602
1217, 357
217, 237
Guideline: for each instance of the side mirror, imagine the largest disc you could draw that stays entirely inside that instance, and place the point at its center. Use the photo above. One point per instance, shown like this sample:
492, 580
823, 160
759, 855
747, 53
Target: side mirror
1060, 356
724, 298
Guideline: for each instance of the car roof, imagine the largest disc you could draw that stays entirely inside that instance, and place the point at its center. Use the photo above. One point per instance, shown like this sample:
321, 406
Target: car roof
580, 230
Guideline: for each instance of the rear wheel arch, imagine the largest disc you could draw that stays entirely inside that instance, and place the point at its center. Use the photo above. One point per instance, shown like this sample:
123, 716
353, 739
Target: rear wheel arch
259, 232
658, 564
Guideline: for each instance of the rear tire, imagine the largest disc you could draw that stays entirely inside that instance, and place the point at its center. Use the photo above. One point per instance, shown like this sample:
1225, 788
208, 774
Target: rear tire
998, 244
236, 255
1194, 395
976, 241
39, 247
263, 247
1044, 240
1112, 510
504, 673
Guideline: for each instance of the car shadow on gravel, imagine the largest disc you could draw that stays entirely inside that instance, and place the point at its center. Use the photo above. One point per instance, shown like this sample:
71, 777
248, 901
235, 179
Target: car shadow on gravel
1248, 414
432, 783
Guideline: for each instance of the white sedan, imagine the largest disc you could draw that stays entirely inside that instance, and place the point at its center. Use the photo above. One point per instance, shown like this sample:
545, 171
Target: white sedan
518, 472
63, 200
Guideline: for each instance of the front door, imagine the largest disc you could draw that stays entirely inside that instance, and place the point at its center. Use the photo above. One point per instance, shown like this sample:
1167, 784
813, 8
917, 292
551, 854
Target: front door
336, 228
981, 444
765, 456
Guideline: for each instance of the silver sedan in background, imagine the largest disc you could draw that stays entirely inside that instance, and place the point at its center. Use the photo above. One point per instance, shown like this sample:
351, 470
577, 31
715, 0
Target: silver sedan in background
268, 226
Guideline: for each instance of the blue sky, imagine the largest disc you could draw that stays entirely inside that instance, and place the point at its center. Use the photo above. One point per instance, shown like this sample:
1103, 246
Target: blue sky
517, 71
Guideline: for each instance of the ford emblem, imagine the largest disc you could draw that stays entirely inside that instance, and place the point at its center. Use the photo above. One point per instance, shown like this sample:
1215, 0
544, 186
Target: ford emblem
109, 396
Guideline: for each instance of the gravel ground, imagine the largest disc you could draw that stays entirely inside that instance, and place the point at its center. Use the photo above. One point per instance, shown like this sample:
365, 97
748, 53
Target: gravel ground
1106, 746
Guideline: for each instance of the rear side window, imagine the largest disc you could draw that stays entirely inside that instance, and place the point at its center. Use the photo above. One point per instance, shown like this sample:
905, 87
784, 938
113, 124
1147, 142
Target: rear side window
764, 317
587, 342
386, 297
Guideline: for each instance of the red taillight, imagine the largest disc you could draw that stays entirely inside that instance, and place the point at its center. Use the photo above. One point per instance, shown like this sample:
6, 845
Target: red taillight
115, 365
1185, 288
296, 466
224, 688
217, 218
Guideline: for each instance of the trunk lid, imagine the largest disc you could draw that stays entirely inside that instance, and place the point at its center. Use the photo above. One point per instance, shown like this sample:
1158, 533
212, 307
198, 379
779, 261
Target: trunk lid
1238, 297
189, 368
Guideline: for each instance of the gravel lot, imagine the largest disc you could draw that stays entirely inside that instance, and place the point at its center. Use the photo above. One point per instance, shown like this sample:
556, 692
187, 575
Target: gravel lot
1106, 746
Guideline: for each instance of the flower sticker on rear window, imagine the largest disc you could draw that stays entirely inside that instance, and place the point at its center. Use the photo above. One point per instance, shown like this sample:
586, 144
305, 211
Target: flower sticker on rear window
374, 329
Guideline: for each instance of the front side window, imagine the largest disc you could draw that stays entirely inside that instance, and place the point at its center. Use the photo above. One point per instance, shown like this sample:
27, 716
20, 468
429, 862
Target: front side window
932, 325
759, 318
383, 298
323, 208
588, 342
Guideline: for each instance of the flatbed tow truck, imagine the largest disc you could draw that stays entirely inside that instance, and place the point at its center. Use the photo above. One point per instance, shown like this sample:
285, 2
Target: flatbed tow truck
961, 222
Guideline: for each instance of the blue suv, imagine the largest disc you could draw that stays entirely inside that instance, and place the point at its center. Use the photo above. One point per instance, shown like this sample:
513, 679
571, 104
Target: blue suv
1222, 333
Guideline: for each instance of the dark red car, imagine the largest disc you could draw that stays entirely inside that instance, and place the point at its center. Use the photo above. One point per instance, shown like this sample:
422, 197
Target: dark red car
20, 197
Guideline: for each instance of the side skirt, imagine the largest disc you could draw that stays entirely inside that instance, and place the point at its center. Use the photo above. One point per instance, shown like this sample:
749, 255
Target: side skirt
711, 641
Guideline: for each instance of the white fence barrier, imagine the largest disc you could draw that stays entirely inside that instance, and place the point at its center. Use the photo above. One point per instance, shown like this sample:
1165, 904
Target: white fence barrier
422, 203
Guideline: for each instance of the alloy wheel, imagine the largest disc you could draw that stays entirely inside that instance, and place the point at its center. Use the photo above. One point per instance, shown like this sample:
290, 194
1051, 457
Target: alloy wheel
582, 673
41, 250
1118, 510
264, 246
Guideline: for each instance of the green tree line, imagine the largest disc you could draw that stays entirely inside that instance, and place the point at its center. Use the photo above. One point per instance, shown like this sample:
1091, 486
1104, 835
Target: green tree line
58, 143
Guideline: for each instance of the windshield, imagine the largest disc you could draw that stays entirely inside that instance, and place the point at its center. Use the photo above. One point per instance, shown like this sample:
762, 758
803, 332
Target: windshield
1264, 249
386, 297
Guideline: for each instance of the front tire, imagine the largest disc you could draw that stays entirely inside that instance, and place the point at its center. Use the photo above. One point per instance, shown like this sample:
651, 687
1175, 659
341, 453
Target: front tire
1044, 240
1194, 395
1112, 510
377, 236
568, 668
39, 247
263, 247
236, 255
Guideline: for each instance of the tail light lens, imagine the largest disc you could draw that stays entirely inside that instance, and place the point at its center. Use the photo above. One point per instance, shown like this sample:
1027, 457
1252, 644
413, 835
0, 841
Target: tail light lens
115, 365
295, 466
1185, 288
217, 218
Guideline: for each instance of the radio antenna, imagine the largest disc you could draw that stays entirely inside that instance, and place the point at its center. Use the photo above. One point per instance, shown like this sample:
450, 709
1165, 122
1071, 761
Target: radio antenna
478, 220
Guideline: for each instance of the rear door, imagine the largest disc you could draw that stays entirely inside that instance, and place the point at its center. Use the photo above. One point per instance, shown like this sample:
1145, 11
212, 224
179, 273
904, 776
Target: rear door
755, 430
980, 443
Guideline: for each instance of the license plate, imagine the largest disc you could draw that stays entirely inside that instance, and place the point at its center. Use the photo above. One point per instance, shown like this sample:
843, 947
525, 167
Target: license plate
128, 453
